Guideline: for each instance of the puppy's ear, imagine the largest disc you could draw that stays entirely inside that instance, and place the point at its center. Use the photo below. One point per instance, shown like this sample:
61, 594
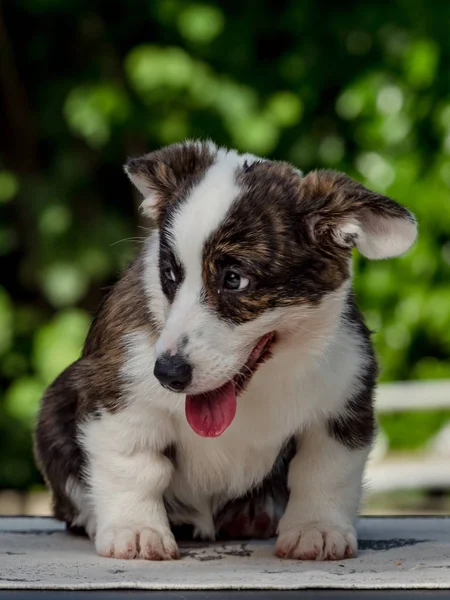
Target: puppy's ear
341, 210
165, 175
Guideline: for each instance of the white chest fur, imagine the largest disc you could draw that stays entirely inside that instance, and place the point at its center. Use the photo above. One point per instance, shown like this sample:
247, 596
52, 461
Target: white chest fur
288, 393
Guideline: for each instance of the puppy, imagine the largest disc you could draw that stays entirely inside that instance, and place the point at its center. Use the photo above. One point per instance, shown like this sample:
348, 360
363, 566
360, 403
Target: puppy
226, 383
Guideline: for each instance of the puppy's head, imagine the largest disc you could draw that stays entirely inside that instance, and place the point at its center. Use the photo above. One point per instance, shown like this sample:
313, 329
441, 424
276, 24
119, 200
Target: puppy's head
248, 249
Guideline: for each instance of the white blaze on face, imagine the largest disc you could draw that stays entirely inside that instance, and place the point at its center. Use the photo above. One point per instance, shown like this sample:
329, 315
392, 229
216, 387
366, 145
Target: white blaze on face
196, 219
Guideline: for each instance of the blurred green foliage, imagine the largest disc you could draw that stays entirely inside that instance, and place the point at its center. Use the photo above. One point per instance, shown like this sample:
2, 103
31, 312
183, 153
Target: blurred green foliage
357, 86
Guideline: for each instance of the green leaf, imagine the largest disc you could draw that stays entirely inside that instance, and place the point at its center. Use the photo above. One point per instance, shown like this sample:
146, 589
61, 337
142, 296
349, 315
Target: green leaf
200, 23
92, 110
22, 399
285, 108
421, 61
58, 343
64, 283
9, 186
6, 321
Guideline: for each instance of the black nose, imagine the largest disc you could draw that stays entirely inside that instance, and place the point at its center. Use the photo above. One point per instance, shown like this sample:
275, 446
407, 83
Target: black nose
173, 372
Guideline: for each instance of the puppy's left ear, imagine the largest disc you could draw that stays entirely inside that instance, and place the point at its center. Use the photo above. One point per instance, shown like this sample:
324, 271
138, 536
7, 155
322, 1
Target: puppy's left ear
341, 209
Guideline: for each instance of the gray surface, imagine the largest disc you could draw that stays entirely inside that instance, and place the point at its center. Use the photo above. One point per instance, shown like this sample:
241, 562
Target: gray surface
395, 553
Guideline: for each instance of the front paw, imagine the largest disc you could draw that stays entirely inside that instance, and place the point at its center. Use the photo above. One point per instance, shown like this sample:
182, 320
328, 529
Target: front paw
317, 541
136, 542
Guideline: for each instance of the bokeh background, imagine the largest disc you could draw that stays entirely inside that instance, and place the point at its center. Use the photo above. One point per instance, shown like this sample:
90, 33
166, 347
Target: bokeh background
362, 87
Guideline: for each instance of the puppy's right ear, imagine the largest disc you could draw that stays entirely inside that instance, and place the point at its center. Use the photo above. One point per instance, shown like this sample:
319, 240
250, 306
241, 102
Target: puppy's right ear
165, 175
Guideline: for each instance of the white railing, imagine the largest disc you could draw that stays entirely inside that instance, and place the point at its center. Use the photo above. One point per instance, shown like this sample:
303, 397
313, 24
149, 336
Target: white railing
413, 395
427, 469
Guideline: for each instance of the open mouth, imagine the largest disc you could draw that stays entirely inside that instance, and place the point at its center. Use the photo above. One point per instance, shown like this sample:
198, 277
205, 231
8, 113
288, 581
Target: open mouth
210, 413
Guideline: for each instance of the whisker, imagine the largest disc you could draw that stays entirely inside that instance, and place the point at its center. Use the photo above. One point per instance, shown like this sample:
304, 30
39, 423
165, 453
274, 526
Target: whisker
130, 239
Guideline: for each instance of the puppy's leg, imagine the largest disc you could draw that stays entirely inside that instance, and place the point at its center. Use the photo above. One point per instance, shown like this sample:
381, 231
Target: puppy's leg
127, 487
325, 481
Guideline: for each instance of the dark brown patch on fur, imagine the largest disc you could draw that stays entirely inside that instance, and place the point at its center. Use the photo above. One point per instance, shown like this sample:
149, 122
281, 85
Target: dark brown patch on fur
87, 385
266, 237
172, 171
281, 234
355, 427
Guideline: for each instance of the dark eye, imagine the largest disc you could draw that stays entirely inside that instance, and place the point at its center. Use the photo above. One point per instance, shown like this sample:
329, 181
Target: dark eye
235, 282
169, 274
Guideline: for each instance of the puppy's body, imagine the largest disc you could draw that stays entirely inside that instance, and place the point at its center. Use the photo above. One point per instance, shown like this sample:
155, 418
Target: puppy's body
127, 459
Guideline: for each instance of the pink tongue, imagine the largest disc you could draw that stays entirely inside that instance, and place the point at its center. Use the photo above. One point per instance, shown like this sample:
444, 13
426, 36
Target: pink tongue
211, 413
